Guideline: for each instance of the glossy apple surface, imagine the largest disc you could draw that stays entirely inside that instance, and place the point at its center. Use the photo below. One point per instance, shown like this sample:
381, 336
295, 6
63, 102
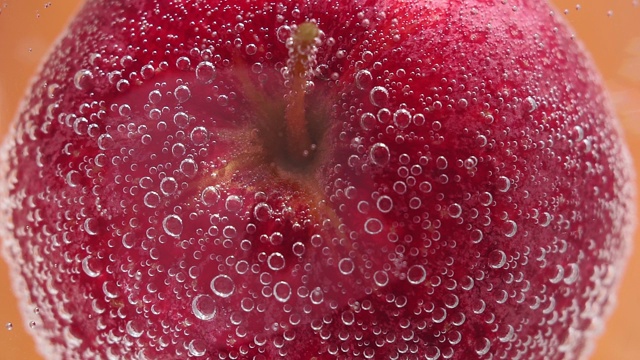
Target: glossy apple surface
371, 179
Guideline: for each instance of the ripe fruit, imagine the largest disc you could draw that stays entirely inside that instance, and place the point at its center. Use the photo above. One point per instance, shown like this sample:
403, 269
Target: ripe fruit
428, 179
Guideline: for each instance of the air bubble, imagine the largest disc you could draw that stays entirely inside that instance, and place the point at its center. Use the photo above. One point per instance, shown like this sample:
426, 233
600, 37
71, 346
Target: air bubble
210, 195
482, 348
416, 274
91, 226
559, 275
135, 328
316, 296
168, 185
346, 266
364, 79
83, 79
379, 154
181, 120
276, 261
188, 167
282, 291
223, 286
368, 121
262, 212
530, 104
381, 278
172, 225
379, 96
89, 267
152, 199
402, 118
503, 184
574, 274
511, 228
204, 307
233, 203
182, 93
205, 72
455, 211
199, 135
384, 204
497, 259
373, 226
197, 348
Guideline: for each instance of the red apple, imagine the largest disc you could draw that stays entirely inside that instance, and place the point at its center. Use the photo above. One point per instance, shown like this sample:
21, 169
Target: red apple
316, 180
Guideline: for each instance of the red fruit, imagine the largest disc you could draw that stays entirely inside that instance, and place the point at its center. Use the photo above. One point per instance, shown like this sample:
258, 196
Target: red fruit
316, 179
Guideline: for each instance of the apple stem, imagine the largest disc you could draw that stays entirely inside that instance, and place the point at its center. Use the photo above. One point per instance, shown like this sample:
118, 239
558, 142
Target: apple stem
302, 50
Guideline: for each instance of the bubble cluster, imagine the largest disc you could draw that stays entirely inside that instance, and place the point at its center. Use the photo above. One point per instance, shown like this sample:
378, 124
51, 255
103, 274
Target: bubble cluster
456, 200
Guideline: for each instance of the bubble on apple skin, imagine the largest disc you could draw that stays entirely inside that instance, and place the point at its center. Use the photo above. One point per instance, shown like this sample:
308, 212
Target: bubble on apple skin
416, 274
379, 96
197, 348
379, 154
172, 225
282, 291
204, 307
83, 79
223, 286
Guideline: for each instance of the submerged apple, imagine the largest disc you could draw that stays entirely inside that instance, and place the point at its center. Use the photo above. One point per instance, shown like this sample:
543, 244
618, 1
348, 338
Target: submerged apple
316, 180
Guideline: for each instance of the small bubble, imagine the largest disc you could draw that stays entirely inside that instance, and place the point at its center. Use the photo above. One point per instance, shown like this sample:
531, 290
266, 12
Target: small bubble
511, 228
483, 346
197, 348
135, 328
379, 96
384, 204
402, 118
91, 226
497, 259
368, 121
276, 261
381, 278
182, 93
210, 195
379, 154
168, 185
181, 120
9, 326
223, 286
152, 199
530, 104
282, 291
199, 135
89, 267
188, 167
373, 226
262, 212
416, 274
316, 296
455, 211
83, 79
204, 307
183, 63
346, 266
205, 72
364, 79
172, 225
503, 184
233, 203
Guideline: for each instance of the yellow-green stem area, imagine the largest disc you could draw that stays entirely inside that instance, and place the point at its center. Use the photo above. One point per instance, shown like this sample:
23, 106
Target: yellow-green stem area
298, 138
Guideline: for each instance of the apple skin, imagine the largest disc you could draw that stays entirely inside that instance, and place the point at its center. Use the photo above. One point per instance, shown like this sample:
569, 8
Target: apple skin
469, 195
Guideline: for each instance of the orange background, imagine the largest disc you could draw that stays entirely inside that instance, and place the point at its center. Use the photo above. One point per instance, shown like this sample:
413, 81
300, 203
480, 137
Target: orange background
610, 30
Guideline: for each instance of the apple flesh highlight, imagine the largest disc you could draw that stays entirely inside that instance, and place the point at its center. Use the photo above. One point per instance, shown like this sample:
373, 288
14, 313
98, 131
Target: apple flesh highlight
330, 179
